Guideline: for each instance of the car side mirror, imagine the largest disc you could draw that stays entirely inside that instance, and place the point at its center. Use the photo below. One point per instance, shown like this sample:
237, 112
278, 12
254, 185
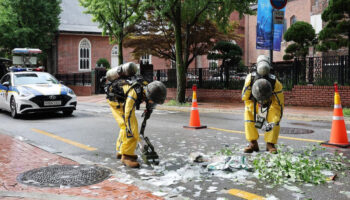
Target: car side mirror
61, 82
6, 83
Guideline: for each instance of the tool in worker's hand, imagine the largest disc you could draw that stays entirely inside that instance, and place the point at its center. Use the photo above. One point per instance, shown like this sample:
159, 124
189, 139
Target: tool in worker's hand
148, 153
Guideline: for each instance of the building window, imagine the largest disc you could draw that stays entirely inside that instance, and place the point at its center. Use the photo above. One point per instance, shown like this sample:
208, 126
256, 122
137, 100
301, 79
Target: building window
146, 59
213, 64
114, 56
293, 19
85, 54
173, 64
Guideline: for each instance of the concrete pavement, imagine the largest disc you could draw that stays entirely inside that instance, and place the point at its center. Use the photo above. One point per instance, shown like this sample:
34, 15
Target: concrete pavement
17, 157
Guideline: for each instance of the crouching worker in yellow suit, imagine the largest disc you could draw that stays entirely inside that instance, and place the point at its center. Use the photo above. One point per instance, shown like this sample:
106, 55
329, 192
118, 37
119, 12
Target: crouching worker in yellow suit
123, 105
262, 95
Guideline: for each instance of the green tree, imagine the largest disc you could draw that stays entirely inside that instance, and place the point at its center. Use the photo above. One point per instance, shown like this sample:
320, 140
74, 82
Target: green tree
116, 18
301, 34
336, 33
153, 36
229, 53
187, 14
28, 23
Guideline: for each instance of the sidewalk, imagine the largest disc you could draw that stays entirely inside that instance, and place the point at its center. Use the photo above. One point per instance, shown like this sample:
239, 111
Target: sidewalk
17, 157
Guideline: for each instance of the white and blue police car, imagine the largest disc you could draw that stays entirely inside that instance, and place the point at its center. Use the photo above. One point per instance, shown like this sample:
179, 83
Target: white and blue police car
23, 91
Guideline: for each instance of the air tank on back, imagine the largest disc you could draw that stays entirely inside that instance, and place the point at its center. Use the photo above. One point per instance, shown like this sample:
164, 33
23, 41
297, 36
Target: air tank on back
124, 70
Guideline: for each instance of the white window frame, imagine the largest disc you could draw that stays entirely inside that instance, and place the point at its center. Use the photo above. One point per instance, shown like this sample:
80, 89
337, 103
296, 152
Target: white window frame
89, 58
213, 61
146, 57
114, 47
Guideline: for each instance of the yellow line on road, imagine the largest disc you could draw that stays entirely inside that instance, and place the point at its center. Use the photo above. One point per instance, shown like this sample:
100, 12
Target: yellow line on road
282, 137
82, 146
245, 195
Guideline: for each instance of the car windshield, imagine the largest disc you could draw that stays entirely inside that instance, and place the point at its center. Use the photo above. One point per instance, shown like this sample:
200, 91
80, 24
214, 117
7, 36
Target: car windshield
34, 78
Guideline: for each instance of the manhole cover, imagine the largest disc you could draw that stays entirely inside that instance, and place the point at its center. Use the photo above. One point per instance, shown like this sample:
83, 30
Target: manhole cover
288, 130
64, 175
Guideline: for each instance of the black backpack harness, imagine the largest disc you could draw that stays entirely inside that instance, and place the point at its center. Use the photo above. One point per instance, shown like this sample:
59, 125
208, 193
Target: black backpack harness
272, 79
116, 93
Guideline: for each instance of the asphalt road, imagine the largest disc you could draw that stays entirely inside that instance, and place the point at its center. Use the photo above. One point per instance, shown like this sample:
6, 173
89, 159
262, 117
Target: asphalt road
89, 135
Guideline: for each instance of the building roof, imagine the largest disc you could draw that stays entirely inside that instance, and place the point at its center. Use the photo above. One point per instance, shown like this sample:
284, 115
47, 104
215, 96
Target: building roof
72, 18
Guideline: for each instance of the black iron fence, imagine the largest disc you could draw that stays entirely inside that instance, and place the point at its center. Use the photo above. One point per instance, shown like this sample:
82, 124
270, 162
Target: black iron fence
313, 70
203, 78
83, 78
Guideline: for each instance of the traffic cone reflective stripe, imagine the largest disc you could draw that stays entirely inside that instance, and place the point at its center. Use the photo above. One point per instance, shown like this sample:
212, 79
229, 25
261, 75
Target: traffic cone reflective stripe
339, 136
194, 118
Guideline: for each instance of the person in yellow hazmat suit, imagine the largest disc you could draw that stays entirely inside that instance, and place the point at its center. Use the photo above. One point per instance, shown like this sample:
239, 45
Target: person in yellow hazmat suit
264, 103
126, 96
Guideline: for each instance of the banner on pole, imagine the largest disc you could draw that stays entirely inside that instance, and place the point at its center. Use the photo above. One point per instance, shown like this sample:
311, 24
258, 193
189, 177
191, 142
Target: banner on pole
264, 27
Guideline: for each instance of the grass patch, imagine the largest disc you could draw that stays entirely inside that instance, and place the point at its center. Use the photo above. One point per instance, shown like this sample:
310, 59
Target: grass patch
346, 112
175, 103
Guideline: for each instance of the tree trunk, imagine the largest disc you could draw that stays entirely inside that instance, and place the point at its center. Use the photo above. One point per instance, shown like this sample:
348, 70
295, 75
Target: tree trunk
120, 49
180, 69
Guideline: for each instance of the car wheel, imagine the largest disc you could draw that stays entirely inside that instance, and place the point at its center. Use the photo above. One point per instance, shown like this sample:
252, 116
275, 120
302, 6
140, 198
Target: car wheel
14, 113
67, 112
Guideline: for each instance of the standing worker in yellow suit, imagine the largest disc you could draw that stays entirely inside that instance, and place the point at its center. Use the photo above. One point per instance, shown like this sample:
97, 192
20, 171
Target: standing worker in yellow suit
264, 102
123, 106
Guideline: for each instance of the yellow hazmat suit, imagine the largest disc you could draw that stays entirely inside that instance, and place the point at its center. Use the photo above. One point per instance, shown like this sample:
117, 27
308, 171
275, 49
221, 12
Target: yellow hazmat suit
274, 113
126, 119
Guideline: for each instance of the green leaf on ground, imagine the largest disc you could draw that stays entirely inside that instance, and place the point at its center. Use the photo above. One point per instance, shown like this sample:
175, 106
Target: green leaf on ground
289, 165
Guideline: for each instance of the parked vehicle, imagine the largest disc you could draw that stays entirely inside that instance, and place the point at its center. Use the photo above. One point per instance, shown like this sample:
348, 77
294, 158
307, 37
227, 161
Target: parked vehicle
191, 77
23, 91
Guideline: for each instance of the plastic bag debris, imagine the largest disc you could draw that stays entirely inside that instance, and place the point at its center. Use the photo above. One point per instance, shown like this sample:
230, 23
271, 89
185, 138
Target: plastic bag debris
231, 163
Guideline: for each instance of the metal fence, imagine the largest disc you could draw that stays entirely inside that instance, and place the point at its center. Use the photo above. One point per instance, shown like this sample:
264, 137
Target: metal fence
313, 70
81, 79
203, 78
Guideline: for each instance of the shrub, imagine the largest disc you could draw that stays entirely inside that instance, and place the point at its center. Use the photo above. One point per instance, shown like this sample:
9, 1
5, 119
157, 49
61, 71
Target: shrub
104, 62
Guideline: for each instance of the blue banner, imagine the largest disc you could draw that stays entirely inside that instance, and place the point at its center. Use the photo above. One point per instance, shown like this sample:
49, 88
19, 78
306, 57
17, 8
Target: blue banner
263, 28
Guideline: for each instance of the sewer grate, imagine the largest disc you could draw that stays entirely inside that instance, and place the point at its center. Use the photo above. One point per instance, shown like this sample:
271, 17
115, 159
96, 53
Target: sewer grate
64, 176
288, 130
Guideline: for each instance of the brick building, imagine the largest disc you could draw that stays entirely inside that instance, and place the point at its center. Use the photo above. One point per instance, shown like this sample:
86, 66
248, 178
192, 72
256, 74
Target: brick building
79, 44
296, 10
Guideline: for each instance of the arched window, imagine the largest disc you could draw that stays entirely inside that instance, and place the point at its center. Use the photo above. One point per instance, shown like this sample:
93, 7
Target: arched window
114, 56
84, 55
293, 19
146, 59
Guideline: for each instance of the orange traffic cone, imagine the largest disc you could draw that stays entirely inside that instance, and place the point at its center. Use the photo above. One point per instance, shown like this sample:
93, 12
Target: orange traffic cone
339, 136
194, 118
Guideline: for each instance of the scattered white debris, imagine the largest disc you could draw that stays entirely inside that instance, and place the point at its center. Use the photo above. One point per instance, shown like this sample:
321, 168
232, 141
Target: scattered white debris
197, 187
95, 187
347, 193
197, 194
64, 187
271, 197
212, 189
20, 138
160, 194
85, 191
292, 188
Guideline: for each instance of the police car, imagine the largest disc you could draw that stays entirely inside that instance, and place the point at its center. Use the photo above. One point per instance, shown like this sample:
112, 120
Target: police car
23, 91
